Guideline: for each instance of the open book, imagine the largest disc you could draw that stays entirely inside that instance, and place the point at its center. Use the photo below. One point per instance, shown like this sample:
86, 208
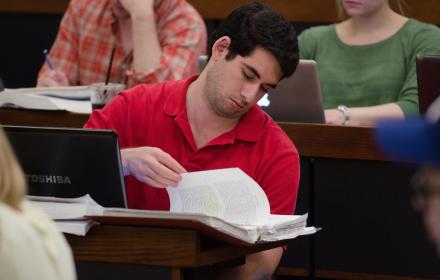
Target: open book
226, 201
73, 99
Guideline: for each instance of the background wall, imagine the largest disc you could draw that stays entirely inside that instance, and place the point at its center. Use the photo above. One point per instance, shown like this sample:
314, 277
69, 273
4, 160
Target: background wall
29, 27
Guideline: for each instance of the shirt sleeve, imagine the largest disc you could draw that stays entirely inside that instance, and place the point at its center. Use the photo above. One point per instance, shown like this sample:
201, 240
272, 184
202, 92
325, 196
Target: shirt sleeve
182, 40
64, 53
284, 180
279, 174
307, 44
113, 116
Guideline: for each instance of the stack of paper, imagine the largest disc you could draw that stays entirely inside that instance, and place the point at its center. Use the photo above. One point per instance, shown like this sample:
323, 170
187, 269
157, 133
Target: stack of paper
69, 213
226, 200
73, 99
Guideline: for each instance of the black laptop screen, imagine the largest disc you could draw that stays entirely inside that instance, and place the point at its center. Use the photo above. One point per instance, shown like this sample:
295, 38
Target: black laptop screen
70, 162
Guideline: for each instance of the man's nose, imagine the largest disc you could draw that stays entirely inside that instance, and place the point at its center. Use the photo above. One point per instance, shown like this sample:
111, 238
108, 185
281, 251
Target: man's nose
250, 91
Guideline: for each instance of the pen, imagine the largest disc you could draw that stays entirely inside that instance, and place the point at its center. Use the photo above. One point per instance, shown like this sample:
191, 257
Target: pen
48, 60
109, 70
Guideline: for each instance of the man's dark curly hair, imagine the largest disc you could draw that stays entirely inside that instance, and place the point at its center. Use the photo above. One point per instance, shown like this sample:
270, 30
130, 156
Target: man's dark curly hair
255, 25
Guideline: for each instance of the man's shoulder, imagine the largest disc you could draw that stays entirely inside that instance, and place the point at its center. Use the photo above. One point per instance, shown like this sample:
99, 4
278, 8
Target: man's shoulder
156, 89
153, 95
273, 135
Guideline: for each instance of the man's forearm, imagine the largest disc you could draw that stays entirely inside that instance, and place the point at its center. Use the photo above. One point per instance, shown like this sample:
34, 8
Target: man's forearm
258, 266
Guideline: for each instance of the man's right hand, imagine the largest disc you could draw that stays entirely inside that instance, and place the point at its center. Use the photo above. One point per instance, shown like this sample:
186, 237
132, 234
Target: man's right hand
52, 78
152, 166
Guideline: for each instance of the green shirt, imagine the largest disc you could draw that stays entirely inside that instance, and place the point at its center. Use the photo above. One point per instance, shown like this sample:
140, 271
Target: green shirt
368, 75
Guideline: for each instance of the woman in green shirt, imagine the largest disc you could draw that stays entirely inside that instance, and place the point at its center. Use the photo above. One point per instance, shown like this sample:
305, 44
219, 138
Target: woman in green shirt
367, 63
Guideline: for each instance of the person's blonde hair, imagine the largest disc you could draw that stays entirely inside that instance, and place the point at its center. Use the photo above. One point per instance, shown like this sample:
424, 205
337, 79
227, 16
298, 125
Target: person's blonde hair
398, 6
12, 181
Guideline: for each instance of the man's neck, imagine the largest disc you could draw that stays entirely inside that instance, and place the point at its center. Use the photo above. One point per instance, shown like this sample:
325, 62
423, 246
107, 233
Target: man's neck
205, 124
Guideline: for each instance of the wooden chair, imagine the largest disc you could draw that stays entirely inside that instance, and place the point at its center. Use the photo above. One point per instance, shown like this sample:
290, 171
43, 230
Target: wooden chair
428, 79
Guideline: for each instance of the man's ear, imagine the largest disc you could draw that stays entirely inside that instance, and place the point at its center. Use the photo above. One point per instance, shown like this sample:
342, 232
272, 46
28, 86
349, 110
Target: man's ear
220, 48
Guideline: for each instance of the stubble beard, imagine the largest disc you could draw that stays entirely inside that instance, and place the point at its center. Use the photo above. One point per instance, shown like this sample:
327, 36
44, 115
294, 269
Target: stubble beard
215, 97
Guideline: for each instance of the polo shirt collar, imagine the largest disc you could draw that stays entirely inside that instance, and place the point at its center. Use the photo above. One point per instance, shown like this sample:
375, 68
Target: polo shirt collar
249, 128
176, 102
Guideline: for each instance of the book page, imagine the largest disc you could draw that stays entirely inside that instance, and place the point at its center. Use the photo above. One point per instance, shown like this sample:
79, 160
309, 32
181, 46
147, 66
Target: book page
229, 194
278, 222
75, 106
76, 227
287, 234
42, 102
66, 208
68, 92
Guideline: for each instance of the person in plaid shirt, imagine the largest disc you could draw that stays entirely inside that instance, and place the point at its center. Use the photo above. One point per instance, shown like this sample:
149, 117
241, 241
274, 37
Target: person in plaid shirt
154, 40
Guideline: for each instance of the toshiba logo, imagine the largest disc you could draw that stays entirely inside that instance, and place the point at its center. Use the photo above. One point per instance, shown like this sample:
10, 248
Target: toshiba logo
47, 179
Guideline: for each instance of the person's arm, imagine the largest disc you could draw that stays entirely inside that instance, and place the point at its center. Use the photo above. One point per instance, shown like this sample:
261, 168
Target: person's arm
146, 47
364, 116
151, 166
63, 53
169, 52
52, 78
307, 44
260, 265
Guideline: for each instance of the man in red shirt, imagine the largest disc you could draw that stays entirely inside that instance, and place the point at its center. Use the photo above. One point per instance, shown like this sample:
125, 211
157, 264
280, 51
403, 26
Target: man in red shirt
212, 121
154, 41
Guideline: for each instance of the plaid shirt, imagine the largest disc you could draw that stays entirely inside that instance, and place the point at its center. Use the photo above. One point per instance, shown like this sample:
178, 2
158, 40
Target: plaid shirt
87, 35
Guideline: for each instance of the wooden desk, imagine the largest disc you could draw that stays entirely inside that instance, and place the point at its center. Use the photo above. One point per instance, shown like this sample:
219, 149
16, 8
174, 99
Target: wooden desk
176, 249
41, 118
359, 197
312, 140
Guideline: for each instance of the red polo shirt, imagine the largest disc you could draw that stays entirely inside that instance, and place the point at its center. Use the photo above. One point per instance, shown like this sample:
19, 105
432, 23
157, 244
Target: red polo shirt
155, 115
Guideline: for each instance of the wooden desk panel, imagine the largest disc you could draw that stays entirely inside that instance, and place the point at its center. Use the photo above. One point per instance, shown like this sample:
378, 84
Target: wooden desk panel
332, 141
335, 186
312, 140
136, 245
157, 246
294, 10
41, 118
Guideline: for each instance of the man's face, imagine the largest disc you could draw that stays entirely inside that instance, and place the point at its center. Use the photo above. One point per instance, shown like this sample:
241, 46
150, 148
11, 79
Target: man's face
234, 86
428, 203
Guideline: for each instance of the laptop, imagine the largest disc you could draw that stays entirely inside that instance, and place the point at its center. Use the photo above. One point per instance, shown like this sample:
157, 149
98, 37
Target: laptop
428, 69
296, 98
69, 163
